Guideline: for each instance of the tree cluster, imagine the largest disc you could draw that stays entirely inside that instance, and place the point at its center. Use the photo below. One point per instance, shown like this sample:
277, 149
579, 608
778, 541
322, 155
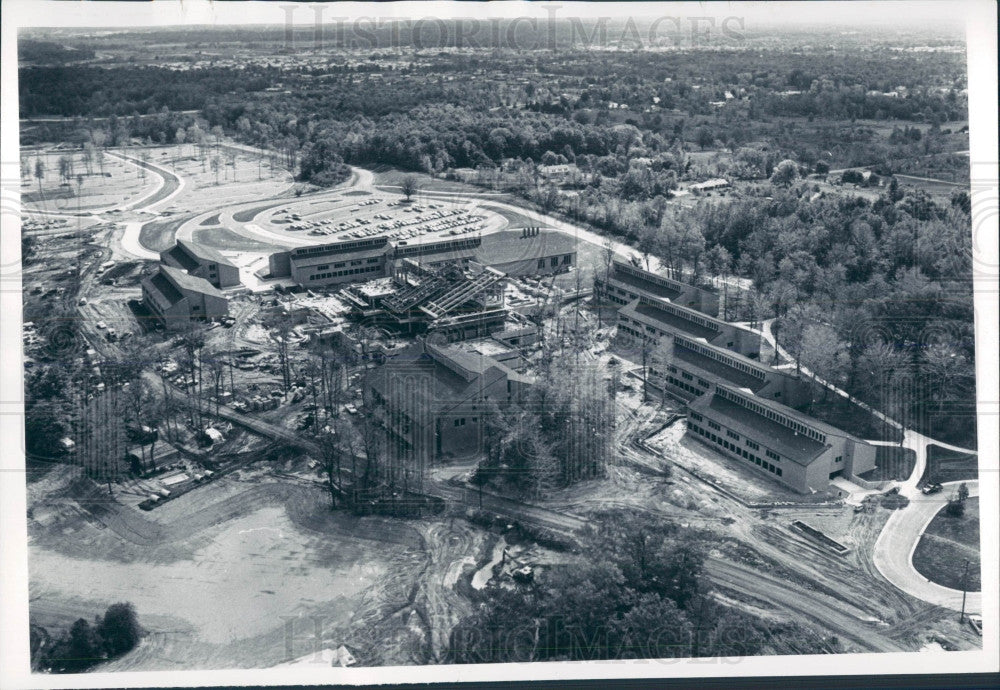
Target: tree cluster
561, 433
639, 591
86, 644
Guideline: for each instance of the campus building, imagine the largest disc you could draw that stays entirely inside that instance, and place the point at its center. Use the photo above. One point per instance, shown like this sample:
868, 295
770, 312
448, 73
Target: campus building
176, 298
528, 252
433, 399
626, 283
456, 301
350, 261
202, 262
523, 252
644, 321
790, 447
687, 368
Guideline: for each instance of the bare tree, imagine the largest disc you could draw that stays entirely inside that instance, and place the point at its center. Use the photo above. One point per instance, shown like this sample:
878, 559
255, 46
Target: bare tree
39, 173
280, 326
216, 363
216, 165
331, 460
409, 186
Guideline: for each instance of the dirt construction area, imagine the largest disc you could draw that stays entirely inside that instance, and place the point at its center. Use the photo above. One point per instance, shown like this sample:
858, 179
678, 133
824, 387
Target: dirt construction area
240, 572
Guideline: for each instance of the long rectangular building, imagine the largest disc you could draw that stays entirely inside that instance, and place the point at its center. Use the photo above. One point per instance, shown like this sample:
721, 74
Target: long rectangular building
689, 367
626, 283
523, 252
351, 261
790, 447
644, 321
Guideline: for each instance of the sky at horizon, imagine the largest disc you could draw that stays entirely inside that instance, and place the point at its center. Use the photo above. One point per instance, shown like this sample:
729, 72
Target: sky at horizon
922, 14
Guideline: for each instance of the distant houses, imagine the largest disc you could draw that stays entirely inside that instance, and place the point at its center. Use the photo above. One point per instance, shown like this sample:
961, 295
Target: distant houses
709, 185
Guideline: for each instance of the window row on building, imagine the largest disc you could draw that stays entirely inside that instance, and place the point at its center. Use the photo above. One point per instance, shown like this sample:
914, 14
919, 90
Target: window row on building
649, 277
680, 313
735, 449
339, 247
773, 415
356, 262
554, 261
615, 294
345, 272
674, 381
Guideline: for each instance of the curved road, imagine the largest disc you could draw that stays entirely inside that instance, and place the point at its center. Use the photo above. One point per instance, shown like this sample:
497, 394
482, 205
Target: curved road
893, 552
899, 538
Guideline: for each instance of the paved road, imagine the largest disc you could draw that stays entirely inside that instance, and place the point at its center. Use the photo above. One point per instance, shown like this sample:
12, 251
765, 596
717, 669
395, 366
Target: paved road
171, 185
130, 242
895, 546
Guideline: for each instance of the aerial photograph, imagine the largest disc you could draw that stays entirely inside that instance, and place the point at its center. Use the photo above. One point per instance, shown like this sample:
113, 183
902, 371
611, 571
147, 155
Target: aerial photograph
407, 342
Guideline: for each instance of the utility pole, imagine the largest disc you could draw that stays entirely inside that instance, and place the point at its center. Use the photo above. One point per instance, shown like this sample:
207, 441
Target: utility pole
965, 578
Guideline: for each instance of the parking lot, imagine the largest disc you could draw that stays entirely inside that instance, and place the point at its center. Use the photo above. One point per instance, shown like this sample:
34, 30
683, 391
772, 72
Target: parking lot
345, 218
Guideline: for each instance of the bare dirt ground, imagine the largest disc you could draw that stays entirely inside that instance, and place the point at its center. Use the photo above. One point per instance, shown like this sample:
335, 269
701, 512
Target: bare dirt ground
217, 574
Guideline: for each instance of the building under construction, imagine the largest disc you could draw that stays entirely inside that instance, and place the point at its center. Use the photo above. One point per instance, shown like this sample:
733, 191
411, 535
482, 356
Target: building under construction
457, 301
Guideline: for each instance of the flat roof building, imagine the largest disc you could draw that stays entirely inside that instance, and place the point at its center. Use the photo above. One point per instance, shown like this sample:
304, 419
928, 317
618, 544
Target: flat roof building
175, 298
202, 262
688, 367
790, 447
333, 263
645, 320
522, 252
528, 251
625, 283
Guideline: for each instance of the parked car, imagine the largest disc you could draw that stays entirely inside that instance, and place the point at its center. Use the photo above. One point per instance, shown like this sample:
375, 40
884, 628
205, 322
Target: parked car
931, 489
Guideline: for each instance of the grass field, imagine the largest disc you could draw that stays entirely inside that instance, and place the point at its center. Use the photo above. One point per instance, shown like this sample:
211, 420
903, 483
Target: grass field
425, 183
246, 215
227, 240
117, 184
947, 543
158, 235
945, 465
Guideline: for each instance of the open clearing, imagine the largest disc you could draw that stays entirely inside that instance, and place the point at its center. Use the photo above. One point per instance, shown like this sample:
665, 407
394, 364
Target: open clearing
121, 182
219, 572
